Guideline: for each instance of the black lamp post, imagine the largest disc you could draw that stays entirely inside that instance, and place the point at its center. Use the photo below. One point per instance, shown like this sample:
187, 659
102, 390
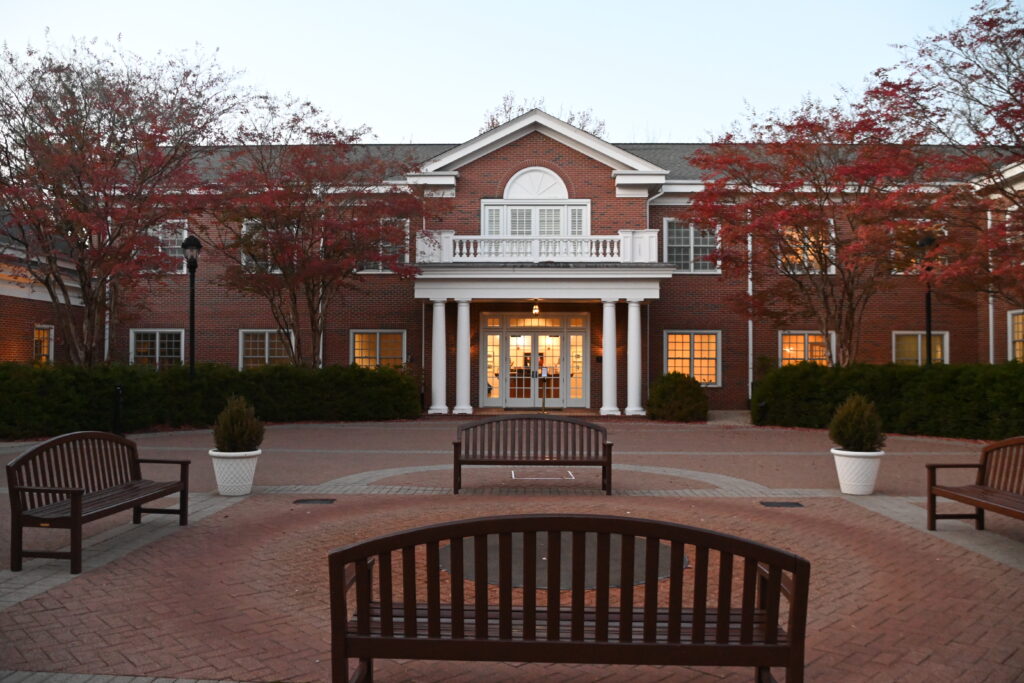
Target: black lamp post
191, 248
925, 243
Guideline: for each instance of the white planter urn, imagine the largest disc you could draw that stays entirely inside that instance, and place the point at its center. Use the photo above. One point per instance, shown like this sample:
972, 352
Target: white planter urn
857, 470
234, 471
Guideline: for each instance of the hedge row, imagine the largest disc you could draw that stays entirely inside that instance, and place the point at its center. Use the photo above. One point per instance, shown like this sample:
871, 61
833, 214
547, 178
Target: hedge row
49, 400
962, 401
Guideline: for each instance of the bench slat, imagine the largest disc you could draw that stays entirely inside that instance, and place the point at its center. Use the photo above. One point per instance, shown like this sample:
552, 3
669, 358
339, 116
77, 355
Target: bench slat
1003, 502
101, 503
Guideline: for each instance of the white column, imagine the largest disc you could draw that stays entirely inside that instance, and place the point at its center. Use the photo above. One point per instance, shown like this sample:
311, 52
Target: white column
438, 373
462, 406
609, 371
633, 357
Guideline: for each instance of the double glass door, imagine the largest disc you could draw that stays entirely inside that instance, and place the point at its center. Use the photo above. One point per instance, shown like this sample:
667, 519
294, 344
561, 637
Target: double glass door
535, 371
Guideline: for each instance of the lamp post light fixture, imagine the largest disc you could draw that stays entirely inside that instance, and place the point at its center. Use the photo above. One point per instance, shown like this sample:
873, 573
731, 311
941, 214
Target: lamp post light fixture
924, 244
191, 248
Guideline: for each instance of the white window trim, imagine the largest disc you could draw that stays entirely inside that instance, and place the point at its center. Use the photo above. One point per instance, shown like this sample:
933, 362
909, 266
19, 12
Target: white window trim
1009, 333
718, 352
49, 350
182, 267
352, 343
936, 334
241, 337
506, 204
831, 342
679, 271
407, 247
158, 330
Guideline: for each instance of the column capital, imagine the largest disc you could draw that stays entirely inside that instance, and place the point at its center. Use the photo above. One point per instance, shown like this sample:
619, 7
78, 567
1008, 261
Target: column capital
464, 301
609, 301
634, 301
439, 301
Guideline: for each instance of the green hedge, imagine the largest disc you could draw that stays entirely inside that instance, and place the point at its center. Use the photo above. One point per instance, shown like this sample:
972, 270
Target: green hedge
960, 401
49, 400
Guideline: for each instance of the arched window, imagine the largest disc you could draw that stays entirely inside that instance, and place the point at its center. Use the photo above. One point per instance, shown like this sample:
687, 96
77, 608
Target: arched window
535, 204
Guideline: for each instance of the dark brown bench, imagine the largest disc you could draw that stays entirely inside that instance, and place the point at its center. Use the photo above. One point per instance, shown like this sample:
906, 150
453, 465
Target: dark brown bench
77, 478
533, 440
999, 486
615, 590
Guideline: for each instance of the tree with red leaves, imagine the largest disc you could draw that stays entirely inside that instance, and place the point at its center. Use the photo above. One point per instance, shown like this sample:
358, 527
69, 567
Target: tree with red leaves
967, 86
820, 206
301, 210
96, 152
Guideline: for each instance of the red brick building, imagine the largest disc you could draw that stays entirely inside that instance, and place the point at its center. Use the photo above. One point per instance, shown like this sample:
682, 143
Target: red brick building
559, 278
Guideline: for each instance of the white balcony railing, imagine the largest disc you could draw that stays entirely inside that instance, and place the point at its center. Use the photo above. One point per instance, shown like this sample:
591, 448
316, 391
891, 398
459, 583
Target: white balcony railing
629, 246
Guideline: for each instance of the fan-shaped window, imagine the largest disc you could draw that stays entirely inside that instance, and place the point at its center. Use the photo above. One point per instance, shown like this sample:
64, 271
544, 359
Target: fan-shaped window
536, 183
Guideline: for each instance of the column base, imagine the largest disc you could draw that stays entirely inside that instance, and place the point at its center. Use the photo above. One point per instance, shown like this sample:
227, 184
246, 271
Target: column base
437, 410
610, 411
635, 411
462, 410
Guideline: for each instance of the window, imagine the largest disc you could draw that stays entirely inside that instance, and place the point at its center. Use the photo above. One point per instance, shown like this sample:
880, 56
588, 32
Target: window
387, 248
170, 235
263, 347
373, 348
909, 348
694, 353
42, 344
1015, 331
255, 252
803, 347
159, 348
910, 253
689, 248
805, 251
538, 218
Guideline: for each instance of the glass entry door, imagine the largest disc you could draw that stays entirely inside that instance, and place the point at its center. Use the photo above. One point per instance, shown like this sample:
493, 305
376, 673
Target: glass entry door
534, 371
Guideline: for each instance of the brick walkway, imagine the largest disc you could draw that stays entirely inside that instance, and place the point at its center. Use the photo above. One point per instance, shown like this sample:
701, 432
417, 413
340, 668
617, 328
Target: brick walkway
240, 594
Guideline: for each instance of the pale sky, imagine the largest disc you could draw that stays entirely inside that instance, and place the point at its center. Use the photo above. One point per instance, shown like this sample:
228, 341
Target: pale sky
663, 71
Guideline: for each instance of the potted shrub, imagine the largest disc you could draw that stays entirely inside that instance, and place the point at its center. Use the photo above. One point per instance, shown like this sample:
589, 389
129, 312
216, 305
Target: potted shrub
238, 434
856, 428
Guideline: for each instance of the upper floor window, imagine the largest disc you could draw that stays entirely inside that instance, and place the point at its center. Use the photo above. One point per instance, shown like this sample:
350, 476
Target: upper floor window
535, 204
803, 347
387, 249
170, 235
255, 249
910, 348
159, 348
806, 251
1015, 325
696, 354
689, 248
262, 347
42, 344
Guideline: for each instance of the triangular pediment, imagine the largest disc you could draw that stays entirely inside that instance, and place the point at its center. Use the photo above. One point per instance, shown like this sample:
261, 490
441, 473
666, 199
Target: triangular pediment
537, 121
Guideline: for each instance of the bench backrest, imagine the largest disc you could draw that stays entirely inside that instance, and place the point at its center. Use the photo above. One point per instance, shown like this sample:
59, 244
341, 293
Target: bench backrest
1002, 465
527, 437
83, 460
628, 599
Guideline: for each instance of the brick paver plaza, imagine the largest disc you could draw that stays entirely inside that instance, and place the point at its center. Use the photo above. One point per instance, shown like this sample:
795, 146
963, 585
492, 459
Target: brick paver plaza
241, 593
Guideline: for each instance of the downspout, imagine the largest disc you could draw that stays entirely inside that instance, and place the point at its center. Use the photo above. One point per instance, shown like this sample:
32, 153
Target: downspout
750, 321
106, 326
991, 308
647, 218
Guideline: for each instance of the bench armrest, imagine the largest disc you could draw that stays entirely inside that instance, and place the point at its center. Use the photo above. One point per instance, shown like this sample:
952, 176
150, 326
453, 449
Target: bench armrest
17, 505
933, 467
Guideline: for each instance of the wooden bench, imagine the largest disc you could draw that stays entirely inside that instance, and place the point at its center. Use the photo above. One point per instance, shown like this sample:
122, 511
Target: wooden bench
999, 486
533, 440
77, 478
615, 590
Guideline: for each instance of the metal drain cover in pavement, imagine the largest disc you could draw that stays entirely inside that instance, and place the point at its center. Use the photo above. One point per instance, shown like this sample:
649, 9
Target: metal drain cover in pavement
313, 501
781, 504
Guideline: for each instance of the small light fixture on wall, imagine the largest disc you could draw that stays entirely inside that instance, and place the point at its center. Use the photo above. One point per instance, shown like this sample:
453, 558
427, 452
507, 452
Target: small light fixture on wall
536, 309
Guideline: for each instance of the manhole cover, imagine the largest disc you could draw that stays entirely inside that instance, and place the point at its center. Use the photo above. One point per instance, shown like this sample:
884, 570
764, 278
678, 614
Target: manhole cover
313, 501
781, 504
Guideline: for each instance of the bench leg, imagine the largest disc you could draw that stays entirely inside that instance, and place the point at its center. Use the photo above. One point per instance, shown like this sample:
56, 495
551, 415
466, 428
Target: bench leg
183, 508
16, 548
456, 479
979, 521
137, 514
931, 511
76, 548
607, 471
